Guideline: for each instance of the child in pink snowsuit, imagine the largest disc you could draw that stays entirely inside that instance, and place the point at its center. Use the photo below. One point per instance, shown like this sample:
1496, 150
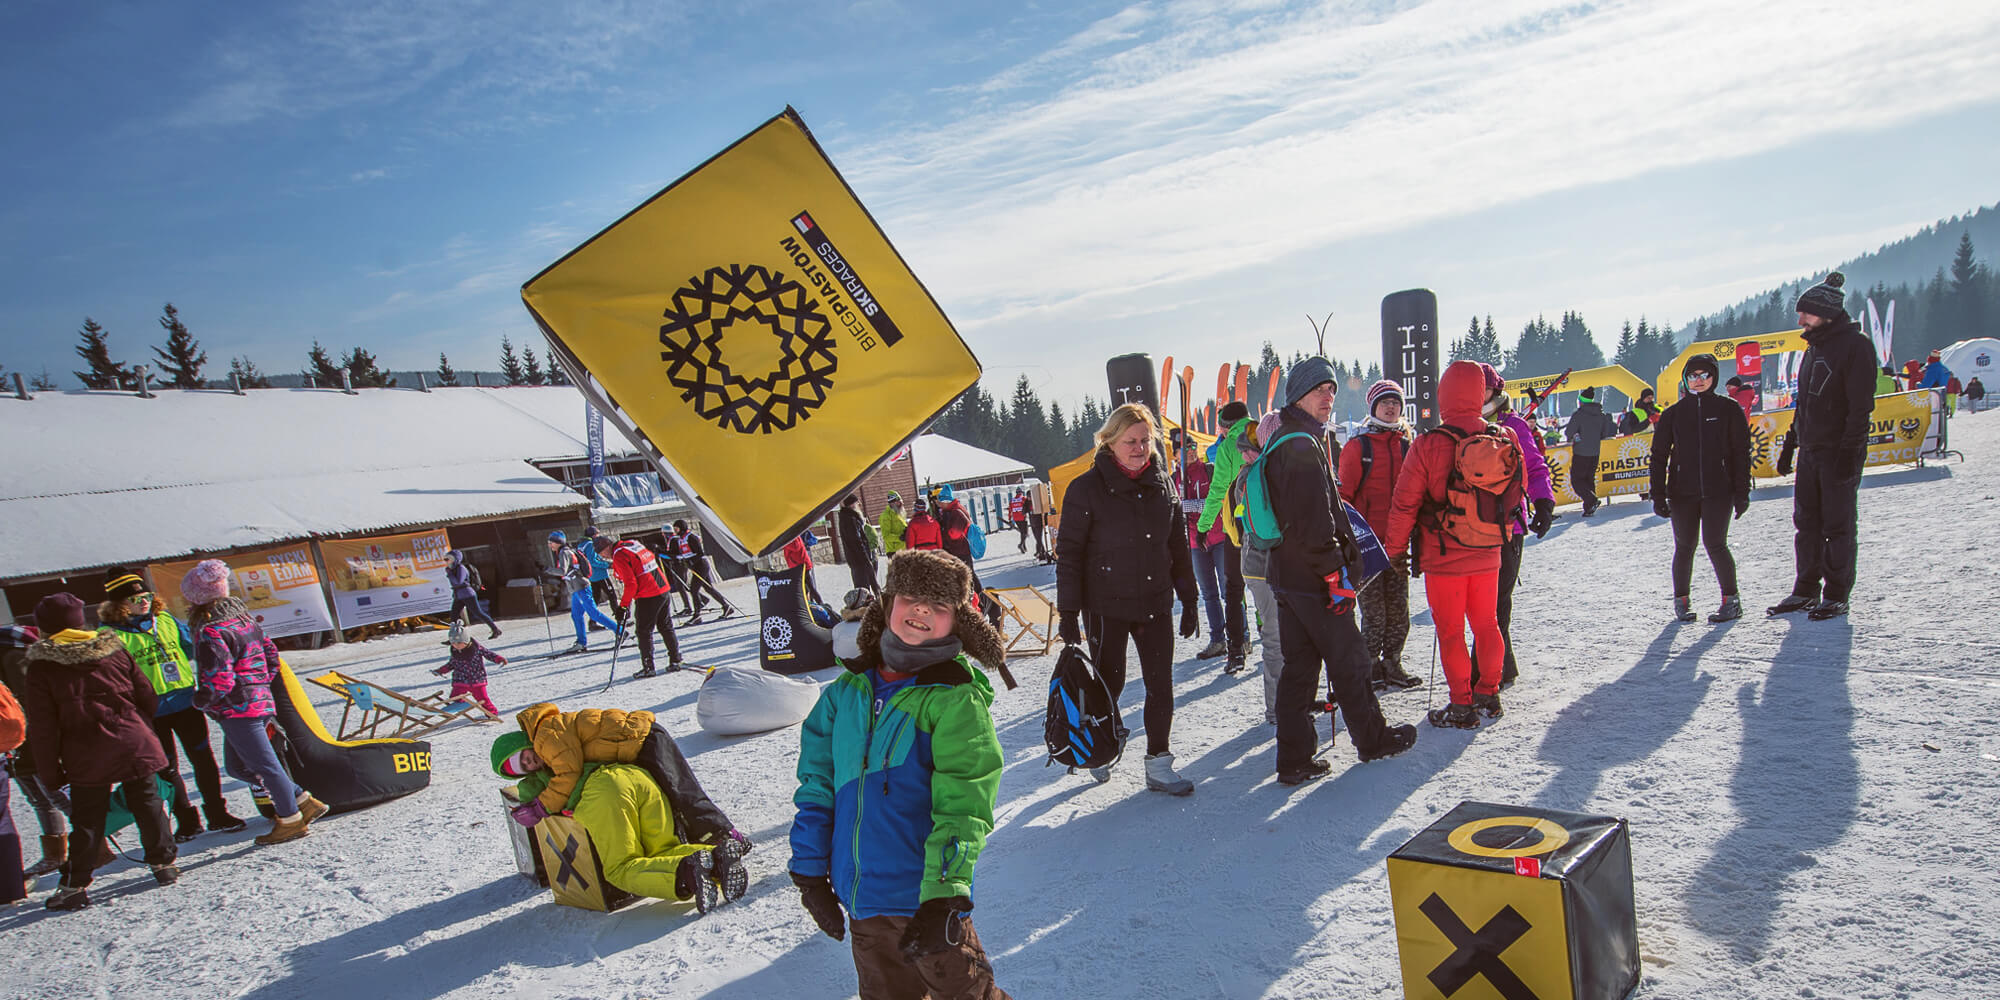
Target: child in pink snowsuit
468, 667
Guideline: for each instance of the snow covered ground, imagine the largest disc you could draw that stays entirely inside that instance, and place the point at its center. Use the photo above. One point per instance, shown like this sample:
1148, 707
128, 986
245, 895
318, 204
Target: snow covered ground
1811, 804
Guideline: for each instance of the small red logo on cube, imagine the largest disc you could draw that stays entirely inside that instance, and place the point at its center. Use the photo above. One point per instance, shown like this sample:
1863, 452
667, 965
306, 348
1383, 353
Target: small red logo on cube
1528, 867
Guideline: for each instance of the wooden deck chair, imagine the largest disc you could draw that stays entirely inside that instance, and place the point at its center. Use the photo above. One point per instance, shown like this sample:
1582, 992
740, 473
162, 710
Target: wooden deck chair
1028, 620
371, 706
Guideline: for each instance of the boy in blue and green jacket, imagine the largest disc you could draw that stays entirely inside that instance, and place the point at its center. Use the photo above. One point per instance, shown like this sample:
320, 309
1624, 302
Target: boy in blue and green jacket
899, 770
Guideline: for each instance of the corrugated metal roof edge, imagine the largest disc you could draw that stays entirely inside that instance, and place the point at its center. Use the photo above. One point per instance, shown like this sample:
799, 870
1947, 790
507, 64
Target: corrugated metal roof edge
399, 527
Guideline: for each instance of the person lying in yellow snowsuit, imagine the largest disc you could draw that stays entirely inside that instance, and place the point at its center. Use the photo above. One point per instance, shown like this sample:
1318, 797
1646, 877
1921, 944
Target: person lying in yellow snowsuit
567, 741
630, 823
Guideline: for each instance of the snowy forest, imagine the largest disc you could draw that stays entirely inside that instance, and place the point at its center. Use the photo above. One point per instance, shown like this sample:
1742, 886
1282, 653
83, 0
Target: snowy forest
1960, 299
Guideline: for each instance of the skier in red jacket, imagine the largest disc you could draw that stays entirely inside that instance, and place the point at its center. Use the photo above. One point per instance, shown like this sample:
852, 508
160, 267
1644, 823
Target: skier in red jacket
642, 580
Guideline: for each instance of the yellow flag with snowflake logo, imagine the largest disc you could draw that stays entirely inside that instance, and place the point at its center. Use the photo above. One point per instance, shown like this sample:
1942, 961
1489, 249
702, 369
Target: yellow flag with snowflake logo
753, 331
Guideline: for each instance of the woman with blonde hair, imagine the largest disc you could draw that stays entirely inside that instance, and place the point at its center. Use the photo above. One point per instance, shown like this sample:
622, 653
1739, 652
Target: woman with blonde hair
1121, 559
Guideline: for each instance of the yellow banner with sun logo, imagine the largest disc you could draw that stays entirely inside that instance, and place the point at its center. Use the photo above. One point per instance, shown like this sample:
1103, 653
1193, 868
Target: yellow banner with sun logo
753, 331
1896, 433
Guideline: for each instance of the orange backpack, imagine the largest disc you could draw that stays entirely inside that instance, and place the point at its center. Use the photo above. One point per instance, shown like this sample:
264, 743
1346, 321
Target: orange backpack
1482, 492
13, 722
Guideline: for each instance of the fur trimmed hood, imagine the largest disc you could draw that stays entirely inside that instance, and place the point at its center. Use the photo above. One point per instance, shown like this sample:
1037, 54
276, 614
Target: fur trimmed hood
930, 575
73, 654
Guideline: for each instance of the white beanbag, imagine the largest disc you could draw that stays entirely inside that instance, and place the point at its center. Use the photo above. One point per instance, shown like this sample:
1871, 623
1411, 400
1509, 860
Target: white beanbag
735, 702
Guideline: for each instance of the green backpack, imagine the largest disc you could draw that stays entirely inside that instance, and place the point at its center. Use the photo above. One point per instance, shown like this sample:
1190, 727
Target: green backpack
1261, 530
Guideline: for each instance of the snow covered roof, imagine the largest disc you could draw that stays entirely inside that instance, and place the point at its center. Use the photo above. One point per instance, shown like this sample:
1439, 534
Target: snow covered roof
940, 459
102, 477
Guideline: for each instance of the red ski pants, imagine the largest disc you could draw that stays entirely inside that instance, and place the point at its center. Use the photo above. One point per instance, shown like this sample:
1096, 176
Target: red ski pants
1454, 600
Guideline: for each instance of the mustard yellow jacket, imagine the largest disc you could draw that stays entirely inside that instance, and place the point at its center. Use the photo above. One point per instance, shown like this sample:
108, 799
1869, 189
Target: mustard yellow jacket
565, 741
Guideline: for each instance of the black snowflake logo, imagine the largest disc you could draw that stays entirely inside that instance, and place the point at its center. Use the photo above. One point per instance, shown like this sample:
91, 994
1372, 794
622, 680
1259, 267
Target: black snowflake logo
1760, 445
1558, 471
1910, 426
747, 301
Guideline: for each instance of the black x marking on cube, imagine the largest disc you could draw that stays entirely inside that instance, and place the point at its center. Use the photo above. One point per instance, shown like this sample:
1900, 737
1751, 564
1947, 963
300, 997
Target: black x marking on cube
1478, 952
566, 855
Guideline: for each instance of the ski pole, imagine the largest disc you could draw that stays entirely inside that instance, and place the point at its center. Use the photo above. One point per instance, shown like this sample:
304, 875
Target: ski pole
617, 644
543, 600
1430, 688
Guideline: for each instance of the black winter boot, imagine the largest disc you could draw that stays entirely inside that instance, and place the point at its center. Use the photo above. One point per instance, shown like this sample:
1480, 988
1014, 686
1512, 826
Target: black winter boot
187, 824
1454, 717
1794, 602
1393, 674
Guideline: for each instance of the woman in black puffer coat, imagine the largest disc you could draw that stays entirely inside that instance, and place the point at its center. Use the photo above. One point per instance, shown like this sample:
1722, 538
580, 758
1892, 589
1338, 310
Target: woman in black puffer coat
1121, 557
1701, 471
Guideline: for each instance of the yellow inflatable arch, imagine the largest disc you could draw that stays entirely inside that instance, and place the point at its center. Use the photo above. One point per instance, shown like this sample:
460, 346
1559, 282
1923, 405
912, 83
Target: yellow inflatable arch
1725, 355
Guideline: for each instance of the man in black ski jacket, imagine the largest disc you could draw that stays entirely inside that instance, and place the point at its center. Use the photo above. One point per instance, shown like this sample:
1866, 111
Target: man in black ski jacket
1830, 437
1314, 627
854, 544
1586, 430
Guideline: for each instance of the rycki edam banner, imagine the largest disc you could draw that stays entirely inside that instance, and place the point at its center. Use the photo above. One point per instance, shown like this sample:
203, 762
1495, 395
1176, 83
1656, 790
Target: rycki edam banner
1896, 432
754, 332
390, 577
279, 585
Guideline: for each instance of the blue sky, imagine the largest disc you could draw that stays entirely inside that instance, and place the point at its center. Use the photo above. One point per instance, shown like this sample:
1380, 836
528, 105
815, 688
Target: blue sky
1073, 180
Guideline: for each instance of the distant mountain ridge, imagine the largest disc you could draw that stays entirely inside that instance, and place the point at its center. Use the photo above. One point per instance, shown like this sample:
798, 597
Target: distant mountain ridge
1913, 260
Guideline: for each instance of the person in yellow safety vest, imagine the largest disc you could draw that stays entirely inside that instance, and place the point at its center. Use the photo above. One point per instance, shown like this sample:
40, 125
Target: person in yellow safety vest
892, 524
159, 644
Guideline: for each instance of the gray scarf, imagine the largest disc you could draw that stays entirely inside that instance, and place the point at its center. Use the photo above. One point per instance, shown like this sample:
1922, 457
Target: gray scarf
904, 658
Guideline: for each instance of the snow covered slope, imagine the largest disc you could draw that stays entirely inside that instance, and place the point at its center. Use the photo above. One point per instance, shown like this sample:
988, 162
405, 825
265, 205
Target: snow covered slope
1792, 834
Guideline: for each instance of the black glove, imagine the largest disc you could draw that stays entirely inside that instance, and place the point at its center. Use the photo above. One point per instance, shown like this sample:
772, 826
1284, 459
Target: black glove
1190, 624
1069, 631
1350, 550
936, 927
1545, 515
1742, 504
1661, 508
1785, 453
816, 894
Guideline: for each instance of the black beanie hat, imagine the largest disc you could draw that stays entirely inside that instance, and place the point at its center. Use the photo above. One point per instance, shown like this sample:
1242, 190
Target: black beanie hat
1589, 394
57, 612
1232, 411
1825, 299
121, 583
1703, 363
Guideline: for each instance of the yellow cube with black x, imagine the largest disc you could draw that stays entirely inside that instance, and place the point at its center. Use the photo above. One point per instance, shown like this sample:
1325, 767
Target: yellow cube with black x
575, 874
1497, 902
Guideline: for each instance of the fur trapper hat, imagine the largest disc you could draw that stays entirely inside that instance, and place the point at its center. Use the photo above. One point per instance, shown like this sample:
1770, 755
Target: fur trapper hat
938, 577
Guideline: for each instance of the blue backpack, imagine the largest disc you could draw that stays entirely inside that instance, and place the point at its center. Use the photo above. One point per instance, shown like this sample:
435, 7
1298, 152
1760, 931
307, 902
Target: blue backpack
975, 539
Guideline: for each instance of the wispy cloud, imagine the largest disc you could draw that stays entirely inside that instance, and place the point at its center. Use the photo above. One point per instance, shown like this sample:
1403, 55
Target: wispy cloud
1183, 142
456, 53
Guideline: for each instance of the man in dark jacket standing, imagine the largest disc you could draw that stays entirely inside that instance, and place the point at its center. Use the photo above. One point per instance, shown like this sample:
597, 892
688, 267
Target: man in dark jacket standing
1830, 435
855, 545
90, 713
1316, 625
1586, 430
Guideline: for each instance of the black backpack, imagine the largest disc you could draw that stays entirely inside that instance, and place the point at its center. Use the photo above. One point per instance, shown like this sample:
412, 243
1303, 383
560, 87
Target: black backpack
1082, 727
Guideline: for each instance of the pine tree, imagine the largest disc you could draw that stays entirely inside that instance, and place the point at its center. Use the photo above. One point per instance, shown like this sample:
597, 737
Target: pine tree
1624, 354
447, 378
247, 374
182, 359
1963, 266
531, 366
510, 363
362, 373
321, 370
557, 376
95, 350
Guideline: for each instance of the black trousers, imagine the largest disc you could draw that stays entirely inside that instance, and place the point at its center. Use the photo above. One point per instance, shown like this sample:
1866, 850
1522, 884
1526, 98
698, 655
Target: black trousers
1311, 634
1583, 472
1036, 524
1022, 527
861, 567
1826, 505
89, 804
463, 604
650, 613
1510, 574
703, 588
1233, 616
677, 575
191, 727
1155, 643
698, 819
1708, 518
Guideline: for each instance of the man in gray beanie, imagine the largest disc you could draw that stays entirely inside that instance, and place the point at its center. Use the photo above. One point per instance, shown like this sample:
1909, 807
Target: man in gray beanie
1830, 436
1315, 602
